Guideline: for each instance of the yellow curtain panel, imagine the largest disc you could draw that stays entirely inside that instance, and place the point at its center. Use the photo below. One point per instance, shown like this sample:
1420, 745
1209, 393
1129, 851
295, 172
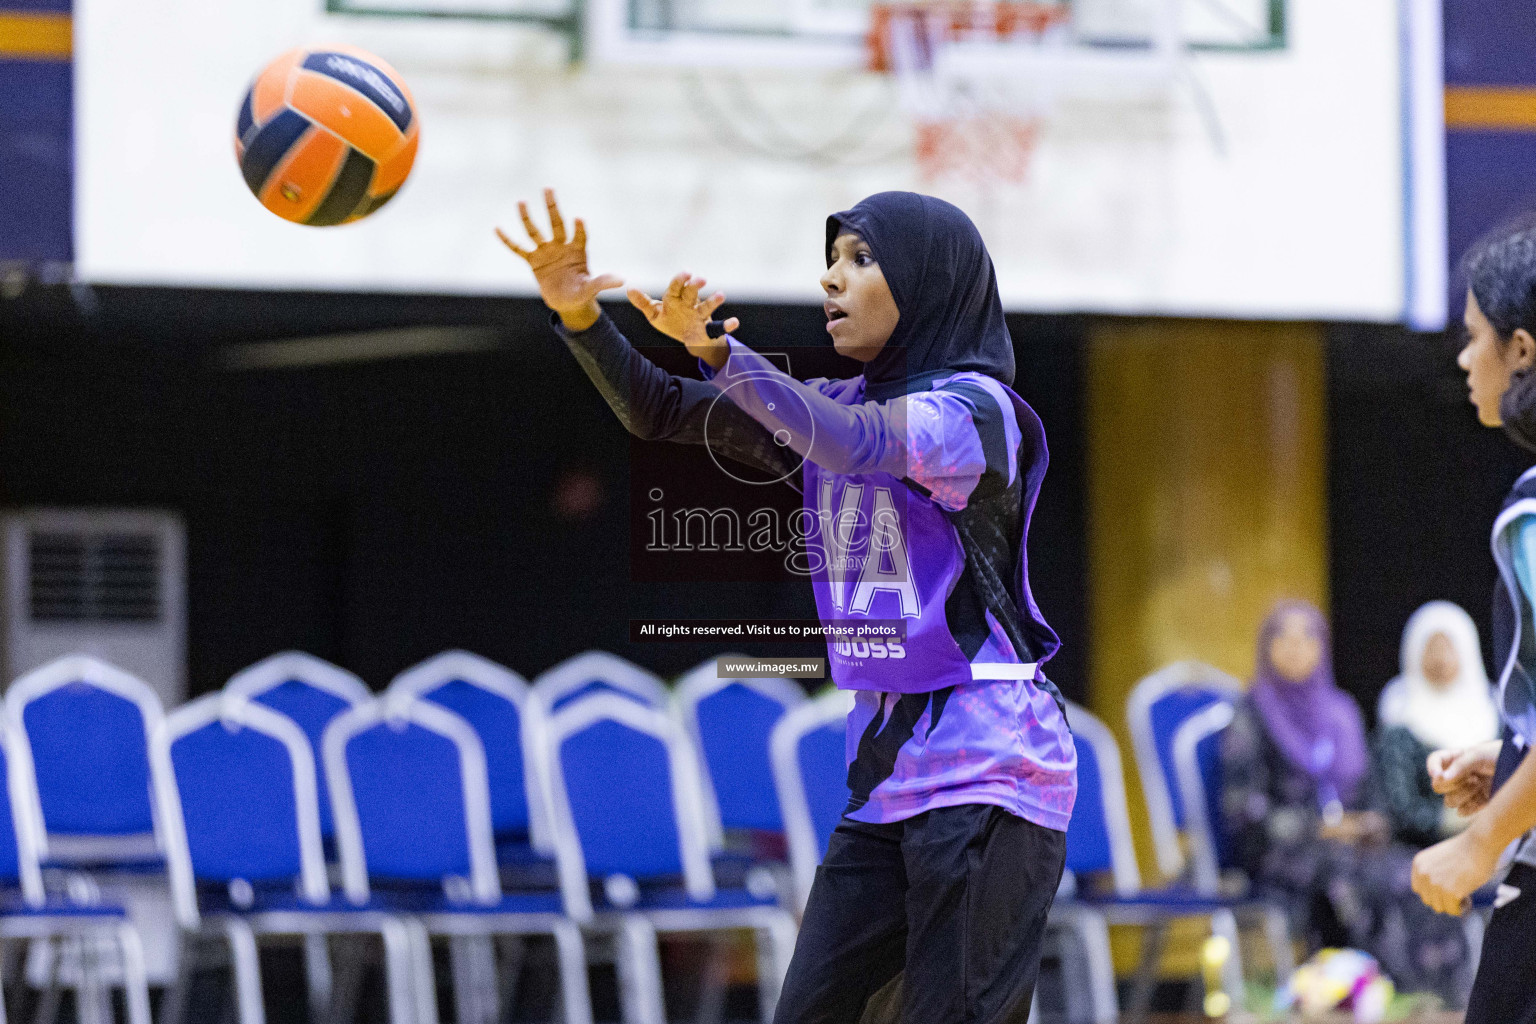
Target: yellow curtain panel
1207, 503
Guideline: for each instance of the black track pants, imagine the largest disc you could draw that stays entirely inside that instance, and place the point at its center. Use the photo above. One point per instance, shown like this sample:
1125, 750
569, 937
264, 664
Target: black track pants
956, 897
1505, 989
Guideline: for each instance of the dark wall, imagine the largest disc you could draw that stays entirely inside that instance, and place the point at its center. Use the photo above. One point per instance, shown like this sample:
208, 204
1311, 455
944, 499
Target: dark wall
1050, 377
1488, 180
1414, 486
376, 513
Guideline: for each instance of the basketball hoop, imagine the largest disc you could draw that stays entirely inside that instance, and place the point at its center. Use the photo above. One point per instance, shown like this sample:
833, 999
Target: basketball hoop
962, 129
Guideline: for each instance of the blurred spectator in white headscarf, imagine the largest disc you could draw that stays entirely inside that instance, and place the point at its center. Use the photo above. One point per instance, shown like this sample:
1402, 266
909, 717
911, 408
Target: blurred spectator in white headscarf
1442, 699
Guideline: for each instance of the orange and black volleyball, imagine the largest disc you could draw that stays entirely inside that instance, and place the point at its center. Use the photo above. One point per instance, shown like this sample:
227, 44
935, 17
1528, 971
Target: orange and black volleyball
326, 135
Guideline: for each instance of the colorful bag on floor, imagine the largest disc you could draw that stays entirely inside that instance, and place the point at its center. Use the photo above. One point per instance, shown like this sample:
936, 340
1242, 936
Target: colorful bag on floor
1338, 979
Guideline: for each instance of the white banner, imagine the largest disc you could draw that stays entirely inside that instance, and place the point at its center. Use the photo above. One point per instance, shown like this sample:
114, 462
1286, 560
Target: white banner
1262, 185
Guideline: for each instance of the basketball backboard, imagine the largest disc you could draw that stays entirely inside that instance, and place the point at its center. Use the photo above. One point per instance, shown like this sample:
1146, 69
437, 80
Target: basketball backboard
823, 33
1125, 206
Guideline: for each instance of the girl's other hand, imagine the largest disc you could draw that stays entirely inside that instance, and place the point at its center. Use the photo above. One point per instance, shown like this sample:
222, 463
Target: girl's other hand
1465, 777
682, 316
559, 266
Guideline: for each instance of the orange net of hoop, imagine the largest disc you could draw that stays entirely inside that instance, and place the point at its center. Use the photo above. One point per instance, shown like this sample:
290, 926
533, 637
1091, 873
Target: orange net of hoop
959, 134
951, 20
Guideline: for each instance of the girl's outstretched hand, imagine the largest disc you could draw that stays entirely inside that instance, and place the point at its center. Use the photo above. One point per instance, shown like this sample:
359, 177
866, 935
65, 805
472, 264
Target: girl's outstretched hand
560, 267
1447, 874
681, 315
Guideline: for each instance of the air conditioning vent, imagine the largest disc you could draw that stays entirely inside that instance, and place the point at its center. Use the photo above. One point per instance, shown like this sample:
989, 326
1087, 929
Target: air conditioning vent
108, 582
94, 577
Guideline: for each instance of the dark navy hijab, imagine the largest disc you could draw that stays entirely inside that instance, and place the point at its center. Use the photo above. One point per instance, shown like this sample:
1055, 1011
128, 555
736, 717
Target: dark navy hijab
942, 279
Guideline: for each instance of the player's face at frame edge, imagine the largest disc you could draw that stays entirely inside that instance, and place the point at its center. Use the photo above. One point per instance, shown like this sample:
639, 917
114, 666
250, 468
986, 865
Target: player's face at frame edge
1490, 363
861, 312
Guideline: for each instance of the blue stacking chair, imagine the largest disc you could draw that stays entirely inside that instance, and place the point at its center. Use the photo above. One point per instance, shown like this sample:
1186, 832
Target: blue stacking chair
494, 700
1099, 843
625, 804
810, 773
241, 813
730, 722
413, 826
597, 672
578, 676
310, 691
27, 912
1197, 775
81, 728
1155, 709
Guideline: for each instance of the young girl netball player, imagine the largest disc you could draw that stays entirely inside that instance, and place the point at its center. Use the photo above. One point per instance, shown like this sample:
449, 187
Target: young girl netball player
1496, 780
921, 475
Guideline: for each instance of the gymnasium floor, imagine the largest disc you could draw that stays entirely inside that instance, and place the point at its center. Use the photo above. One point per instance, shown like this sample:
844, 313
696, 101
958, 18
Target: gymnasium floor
1434, 1018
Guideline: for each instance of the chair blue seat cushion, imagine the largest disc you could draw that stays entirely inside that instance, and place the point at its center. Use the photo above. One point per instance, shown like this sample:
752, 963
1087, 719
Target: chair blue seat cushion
675, 897
131, 853
278, 898
1175, 899
12, 905
215, 899
410, 900
388, 900
154, 865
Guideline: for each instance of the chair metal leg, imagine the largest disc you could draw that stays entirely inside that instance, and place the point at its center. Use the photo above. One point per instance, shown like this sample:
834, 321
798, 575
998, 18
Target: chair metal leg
318, 977
1277, 935
135, 978
472, 959
245, 964
1224, 923
1474, 925
775, 946
423, 976
92, 1004
173, 1006
575, 997
1153, 938
468, 1006
408, 1004
1092, 934
639, 964
48, 1006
